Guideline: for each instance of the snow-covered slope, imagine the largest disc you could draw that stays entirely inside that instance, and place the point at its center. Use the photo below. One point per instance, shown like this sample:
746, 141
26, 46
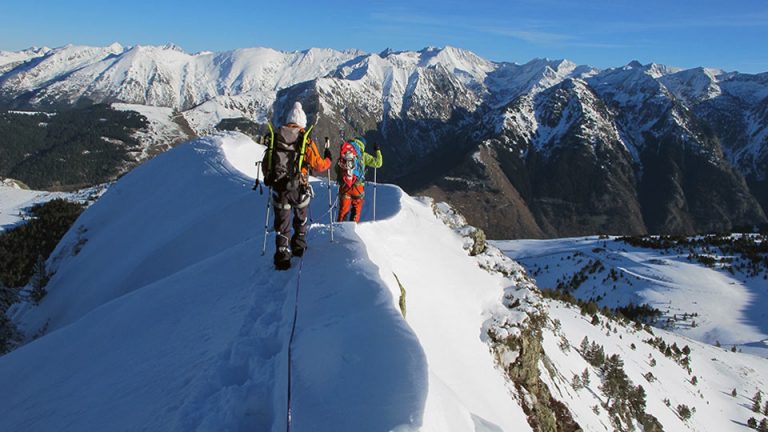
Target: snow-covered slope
15, 200
164, 129
711, 305
11, 59
706, 390
169, 318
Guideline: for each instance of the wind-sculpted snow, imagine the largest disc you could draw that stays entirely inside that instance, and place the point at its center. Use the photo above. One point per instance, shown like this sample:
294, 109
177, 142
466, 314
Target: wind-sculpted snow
170, 319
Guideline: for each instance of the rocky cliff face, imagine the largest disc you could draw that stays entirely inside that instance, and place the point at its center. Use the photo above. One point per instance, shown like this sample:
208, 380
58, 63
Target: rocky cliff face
546, 148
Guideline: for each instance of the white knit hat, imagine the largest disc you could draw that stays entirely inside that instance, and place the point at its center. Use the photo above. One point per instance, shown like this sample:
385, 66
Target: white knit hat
296, 115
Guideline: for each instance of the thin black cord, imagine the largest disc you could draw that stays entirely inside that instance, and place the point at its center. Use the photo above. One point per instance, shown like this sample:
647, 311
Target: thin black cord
293, 327
290, 341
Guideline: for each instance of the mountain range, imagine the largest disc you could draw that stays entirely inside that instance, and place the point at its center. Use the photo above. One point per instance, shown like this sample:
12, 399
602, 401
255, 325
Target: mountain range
542, 149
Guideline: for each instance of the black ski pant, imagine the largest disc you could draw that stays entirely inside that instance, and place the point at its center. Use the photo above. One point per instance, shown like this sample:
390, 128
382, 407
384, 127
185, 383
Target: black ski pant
283, 203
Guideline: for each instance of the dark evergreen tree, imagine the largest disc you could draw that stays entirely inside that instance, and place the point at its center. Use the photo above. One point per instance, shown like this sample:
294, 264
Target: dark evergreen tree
757, 401
585, 379
637, 400
615, 381
595, 355
684, 412
584, 345
40, 277
576, 382
763, 426
752, 423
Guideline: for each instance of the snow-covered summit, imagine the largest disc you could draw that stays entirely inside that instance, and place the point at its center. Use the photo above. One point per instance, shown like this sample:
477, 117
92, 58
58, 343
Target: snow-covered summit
694, 85
11, 59
165, 75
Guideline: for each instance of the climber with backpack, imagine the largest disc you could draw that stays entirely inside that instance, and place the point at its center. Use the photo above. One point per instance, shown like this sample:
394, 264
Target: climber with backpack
350, 174
290, 154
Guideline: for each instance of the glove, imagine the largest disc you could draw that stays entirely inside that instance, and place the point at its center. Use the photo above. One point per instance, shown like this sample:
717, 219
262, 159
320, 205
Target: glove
376, 147
327, 154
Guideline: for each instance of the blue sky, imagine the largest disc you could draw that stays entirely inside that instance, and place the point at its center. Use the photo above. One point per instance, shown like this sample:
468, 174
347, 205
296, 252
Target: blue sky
732, 35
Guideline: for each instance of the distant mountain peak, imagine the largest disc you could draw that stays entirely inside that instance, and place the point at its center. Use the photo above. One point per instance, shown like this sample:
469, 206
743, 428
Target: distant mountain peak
173, 47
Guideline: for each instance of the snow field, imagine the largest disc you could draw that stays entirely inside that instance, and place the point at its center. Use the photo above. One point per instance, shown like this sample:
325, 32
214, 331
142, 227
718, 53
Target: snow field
730, 307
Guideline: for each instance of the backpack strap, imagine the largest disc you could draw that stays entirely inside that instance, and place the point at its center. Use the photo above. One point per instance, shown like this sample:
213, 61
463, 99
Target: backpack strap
359, 160
304, 146
271, 144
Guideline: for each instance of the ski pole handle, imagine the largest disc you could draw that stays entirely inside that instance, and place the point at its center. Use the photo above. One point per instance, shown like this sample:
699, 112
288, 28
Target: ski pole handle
327, 142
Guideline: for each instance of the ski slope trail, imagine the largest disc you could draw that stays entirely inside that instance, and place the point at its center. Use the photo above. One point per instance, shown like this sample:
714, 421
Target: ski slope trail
163, 315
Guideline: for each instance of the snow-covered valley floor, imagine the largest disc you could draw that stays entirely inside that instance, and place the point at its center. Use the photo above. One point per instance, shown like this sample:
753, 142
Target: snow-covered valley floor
729, 308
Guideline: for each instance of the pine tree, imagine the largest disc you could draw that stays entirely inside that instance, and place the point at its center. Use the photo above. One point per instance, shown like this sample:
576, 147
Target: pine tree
615, 381
576, 382
595, 355
757, 401
684, 412
733, 392
584, 345
585, 380
763, 426
637, 400
752, 423
765, 408
40, 279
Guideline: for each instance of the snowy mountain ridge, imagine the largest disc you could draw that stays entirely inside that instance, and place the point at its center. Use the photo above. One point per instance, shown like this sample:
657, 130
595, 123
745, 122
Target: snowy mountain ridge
635, 130
164, 76
168, 318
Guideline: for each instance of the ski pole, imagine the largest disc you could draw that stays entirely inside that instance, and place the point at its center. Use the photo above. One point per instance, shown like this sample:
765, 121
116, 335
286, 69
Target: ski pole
266, 223
330, 201
374, 193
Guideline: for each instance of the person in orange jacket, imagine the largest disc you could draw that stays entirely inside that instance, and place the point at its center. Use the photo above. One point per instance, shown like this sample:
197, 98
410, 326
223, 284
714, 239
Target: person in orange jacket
291, 192
350, 174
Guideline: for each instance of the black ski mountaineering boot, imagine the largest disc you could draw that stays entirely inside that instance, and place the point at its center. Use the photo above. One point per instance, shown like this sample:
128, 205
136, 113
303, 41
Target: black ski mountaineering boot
282, 258
298, 245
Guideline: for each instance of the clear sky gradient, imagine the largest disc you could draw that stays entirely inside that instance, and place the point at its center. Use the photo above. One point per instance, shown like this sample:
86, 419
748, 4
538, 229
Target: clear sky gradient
731, 35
